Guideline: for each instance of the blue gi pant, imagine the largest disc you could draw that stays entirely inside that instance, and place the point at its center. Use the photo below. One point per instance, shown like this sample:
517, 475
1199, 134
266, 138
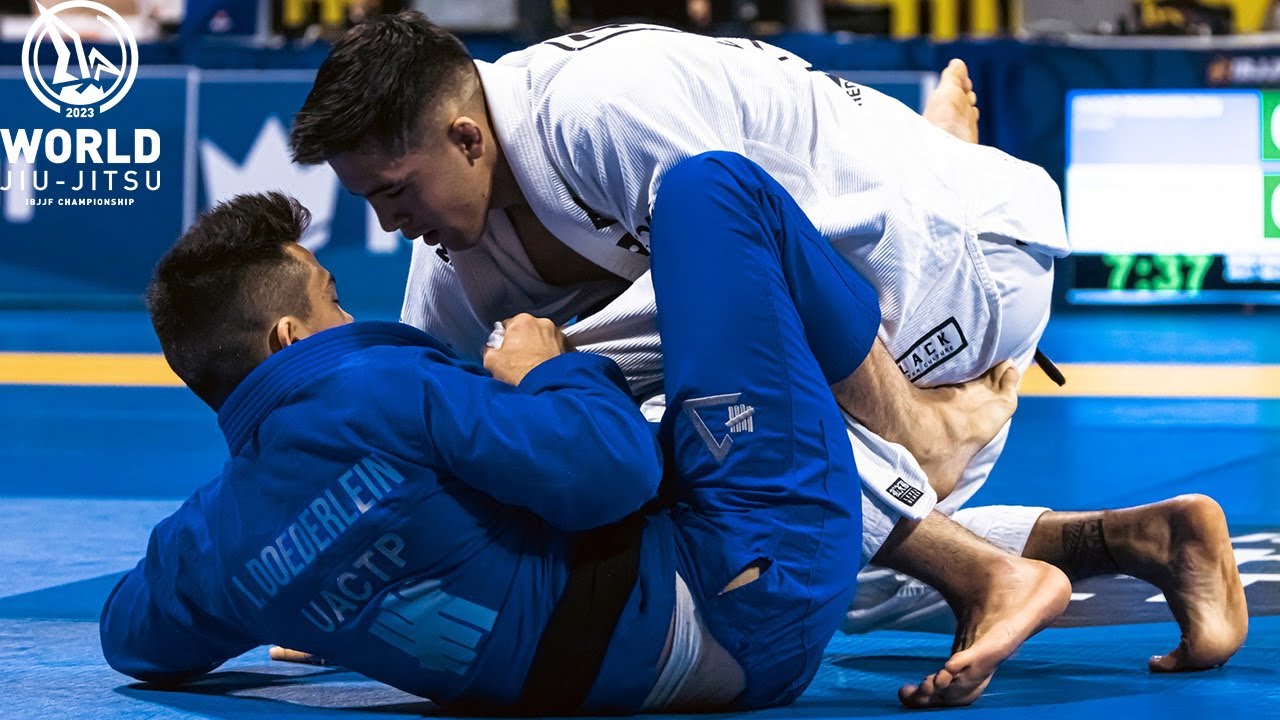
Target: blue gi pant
758, 317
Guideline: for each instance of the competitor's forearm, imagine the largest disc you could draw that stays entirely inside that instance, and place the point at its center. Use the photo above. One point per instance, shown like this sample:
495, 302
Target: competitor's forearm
567, 443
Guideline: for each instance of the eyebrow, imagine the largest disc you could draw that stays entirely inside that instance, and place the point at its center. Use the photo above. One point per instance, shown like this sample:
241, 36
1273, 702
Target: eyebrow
380, 189
333, 279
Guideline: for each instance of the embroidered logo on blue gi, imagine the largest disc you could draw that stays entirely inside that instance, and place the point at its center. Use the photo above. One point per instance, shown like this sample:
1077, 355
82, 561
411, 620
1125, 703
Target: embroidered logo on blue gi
739, 418
936, 347
441, 631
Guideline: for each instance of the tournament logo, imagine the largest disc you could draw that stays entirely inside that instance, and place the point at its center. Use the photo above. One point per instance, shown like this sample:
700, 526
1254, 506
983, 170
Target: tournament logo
79, 59
77, 81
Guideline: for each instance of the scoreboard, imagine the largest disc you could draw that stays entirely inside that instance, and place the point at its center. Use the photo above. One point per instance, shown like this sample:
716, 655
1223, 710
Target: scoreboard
1174, 196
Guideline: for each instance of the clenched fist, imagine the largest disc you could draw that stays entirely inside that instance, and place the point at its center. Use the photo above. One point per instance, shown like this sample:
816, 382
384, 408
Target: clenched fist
527, 343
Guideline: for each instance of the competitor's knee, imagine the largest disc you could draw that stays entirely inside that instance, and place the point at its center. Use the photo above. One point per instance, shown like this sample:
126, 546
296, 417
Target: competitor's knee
717, 169
717, 182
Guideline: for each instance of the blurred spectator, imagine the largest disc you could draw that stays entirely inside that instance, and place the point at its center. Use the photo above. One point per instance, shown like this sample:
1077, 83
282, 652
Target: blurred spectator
474, 15
695, 14
148, 19
327, 18
1146, 17
221, 17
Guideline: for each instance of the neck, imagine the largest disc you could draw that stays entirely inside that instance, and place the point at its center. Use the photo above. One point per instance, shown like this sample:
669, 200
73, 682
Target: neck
506, 191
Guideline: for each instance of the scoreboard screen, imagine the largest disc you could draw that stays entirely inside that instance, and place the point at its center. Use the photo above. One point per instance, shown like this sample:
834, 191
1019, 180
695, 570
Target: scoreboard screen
1174, 196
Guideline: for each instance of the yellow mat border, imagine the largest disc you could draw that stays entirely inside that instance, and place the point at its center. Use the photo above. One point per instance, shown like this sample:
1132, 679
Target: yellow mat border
1169, 380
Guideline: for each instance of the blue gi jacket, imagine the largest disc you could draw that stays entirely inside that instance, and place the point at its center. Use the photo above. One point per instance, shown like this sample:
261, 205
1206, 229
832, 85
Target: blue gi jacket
395, 510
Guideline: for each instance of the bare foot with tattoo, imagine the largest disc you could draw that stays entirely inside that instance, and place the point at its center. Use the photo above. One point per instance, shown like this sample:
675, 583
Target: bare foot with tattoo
953, 105
1000, 600
1181, 546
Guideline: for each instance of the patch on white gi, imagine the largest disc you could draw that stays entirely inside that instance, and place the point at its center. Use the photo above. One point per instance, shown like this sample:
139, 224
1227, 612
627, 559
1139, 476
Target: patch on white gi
739, 419
936, 347
906, 493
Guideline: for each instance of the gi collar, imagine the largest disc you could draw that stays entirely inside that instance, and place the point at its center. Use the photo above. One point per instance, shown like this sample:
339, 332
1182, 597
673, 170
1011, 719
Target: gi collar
509, 101
298, 365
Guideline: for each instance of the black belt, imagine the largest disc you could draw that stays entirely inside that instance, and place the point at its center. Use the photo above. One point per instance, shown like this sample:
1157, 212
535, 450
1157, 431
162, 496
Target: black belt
1049, 368
605, 567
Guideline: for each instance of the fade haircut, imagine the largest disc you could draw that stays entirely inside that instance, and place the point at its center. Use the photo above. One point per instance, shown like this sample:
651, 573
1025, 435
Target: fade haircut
372, 90
219, 290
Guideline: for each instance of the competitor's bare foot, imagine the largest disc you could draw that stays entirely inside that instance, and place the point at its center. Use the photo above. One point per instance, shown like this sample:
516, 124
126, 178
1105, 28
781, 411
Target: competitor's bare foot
943, 427
953, 105
959, 420
1022, 598
1182, 546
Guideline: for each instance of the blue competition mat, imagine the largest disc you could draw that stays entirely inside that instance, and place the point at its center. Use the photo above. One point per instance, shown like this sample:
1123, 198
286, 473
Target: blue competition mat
86, 472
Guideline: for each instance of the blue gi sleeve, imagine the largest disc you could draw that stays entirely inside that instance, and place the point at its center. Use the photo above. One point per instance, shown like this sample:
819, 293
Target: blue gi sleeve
568, 443
155, 632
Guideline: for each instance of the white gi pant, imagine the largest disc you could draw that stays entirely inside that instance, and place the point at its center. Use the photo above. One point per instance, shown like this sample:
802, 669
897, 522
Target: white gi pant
1023, 285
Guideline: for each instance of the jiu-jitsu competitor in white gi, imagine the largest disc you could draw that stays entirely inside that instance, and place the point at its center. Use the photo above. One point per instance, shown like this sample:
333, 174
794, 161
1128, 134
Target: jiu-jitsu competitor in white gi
957, 238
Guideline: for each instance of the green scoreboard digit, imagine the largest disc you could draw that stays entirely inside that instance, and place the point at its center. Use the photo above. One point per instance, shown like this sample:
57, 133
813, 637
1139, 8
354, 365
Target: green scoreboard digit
1174, 196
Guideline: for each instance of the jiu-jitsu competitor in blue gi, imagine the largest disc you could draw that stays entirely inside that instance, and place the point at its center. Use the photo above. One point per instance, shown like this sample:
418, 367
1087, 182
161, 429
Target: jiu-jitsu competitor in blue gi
400, 512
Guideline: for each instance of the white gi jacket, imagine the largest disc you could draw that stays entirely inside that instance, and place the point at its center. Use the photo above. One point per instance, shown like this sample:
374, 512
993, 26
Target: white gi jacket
589, 123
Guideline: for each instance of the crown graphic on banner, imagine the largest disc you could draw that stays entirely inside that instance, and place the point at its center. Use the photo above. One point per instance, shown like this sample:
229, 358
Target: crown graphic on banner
268, 167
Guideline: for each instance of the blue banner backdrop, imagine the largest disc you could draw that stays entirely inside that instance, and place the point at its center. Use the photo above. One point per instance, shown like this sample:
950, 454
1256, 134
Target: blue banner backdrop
223, 132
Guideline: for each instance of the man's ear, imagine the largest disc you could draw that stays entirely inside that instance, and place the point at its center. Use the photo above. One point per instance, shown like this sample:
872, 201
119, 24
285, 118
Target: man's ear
465, 134
287, 331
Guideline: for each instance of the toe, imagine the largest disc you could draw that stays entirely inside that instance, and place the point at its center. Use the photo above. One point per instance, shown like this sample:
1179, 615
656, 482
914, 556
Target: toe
1175, 661
1007, 377
957, 71
964, 691
919, 696
1163, 663
1002, 378
959, 662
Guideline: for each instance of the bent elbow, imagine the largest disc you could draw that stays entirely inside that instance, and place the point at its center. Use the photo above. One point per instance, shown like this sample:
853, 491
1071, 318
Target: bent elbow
616, 491
131, 648
126, 661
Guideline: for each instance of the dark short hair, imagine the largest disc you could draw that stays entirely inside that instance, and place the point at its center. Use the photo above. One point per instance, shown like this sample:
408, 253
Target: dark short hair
373, 88
219, 289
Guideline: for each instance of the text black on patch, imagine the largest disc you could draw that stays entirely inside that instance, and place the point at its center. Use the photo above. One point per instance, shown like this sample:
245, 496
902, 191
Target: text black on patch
904, 492
936, 347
